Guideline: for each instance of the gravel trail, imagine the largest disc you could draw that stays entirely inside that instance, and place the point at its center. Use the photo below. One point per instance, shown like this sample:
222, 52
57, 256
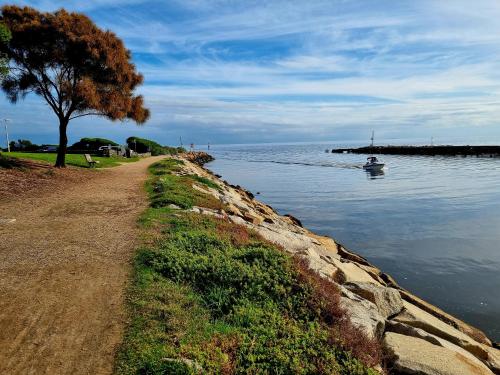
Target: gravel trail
64, 266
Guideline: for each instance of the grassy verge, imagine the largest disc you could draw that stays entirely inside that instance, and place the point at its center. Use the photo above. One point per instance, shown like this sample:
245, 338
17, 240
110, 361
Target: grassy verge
212, 297
77, 160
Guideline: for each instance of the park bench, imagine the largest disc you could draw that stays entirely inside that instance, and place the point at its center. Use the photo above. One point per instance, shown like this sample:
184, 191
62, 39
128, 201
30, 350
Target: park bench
91, 162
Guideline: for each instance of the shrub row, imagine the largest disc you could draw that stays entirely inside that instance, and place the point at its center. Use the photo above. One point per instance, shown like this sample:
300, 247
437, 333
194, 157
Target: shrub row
142, 145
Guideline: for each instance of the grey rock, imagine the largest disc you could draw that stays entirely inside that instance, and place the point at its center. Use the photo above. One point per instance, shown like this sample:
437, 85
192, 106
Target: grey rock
387, 300
363, 314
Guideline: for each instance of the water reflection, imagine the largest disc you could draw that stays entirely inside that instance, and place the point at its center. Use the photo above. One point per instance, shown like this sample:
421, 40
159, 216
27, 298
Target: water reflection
372, 174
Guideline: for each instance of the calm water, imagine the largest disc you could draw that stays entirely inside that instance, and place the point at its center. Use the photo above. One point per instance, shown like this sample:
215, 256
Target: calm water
431, 222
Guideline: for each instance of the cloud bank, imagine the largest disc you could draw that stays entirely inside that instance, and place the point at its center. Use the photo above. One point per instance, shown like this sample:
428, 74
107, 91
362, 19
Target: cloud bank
259, 71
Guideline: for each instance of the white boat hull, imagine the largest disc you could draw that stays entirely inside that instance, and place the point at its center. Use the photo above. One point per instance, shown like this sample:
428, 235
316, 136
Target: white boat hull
373, 167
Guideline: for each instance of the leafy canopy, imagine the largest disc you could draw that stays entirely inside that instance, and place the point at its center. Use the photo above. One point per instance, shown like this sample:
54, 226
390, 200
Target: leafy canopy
142, 145
4, 39
76, 67
92, 143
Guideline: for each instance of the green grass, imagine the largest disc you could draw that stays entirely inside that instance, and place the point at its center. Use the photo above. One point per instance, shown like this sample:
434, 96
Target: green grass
166, 188
212, 297
77, 160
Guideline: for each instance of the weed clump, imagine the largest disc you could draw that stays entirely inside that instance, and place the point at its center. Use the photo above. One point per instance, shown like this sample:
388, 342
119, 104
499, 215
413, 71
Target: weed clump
9, 163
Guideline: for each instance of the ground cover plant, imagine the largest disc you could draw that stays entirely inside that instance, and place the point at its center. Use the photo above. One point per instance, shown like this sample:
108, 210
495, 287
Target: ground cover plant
212, 297
9, 163
77, 160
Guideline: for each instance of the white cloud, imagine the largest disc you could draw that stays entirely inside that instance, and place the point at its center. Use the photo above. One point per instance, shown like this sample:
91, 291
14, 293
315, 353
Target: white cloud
290, 67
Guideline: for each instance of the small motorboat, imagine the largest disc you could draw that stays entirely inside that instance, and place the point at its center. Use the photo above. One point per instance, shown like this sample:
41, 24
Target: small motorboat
373, 164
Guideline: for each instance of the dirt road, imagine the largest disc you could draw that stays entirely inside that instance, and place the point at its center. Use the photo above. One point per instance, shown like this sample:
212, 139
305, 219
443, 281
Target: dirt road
64, 265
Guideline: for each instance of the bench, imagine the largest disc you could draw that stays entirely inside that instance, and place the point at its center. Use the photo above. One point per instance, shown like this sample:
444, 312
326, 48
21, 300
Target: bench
91, 162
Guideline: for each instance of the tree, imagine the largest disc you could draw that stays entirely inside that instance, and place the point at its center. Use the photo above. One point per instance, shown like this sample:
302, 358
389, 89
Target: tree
92, 144
4, 39
23, 145
78, 69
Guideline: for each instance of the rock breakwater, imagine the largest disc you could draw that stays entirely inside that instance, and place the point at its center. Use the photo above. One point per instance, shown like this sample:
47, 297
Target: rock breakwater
418, 338
198, 157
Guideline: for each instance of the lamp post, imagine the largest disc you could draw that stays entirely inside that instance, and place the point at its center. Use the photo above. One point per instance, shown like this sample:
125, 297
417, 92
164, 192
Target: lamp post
6, 120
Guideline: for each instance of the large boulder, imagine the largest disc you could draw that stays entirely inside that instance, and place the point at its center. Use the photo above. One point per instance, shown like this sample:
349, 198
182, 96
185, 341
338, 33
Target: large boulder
387, 300
350, 272
253, 218
411, 355
416, 317
470, 331
319, 265
404, 329
362, 313
493, 360
293, 242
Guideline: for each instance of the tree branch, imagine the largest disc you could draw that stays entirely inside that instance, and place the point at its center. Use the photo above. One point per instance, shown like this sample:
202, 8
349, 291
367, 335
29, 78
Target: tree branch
87, 114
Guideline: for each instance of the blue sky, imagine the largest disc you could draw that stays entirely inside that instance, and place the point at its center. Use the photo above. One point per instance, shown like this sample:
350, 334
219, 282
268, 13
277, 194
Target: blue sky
282, 71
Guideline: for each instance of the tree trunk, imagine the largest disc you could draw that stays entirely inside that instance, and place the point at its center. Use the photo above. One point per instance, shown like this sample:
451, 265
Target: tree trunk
63, 143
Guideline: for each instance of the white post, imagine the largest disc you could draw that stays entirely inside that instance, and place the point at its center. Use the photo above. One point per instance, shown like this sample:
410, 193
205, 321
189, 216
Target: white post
7, 134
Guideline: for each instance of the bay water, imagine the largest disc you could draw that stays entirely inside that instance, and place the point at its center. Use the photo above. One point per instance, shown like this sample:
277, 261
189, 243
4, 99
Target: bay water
433, 223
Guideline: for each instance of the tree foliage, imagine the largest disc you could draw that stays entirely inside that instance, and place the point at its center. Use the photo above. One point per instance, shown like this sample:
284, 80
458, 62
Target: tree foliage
76, 67
23, 145
142, 145
92, 143
4, 39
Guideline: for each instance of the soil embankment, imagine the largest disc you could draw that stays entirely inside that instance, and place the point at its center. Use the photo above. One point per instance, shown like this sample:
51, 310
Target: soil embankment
64, 265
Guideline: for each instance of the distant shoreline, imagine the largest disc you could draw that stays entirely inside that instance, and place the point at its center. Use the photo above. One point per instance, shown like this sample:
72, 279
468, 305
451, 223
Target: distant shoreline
442, 150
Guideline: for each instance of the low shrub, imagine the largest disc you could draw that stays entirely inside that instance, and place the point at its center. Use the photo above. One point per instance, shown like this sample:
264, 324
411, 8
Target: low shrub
9, 163
205, 181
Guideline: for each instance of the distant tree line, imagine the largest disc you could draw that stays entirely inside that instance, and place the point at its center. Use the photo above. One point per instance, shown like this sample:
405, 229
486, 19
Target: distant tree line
142, 145
92, 145
23, 145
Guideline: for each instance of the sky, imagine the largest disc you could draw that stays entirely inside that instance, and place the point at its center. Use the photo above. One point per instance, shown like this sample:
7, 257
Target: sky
296, 71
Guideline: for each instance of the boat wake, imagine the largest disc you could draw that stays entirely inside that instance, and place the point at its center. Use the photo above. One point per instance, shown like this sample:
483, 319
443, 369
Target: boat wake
326, 165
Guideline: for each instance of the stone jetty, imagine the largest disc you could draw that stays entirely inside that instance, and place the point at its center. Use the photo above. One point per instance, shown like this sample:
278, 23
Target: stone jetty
482, 151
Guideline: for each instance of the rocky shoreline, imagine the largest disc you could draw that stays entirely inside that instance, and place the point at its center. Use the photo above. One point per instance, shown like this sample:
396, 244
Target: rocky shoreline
418, 338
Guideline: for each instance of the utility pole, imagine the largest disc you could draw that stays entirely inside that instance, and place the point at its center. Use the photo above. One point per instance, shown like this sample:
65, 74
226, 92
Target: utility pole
6, 120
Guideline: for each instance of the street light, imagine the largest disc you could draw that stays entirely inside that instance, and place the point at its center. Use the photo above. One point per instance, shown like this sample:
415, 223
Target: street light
6, 120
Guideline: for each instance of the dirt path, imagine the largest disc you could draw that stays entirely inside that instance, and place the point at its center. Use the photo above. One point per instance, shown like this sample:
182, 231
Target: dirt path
64, 264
